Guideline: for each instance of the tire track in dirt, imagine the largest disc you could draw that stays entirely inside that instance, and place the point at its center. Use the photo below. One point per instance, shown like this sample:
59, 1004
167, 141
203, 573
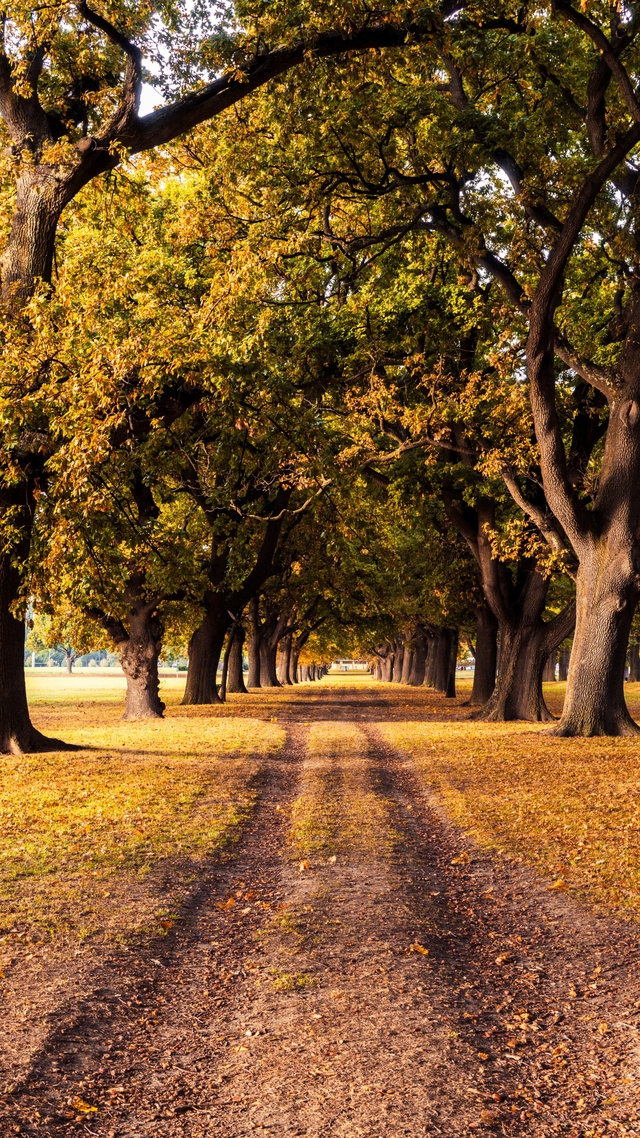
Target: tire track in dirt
336, 1026
392, 981
549, 989
101, 1034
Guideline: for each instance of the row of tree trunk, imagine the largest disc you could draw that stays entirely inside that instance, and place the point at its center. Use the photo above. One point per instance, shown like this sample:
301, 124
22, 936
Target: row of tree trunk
503, 689
272, 654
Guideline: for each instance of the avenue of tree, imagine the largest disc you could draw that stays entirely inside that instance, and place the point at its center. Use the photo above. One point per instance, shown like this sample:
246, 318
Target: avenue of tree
337, 351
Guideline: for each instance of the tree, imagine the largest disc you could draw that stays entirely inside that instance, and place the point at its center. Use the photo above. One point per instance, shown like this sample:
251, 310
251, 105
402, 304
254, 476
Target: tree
539, 194
70, 85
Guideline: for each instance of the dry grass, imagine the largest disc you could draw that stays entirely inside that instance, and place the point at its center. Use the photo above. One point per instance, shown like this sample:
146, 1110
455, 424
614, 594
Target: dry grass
569, 806
105, 841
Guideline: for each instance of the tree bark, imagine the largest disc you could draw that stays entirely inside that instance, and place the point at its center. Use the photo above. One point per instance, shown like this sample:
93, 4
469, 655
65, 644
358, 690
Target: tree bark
407, 663
268, 673
235, 673
139, 656
253, 644
205, 648
284, 661
525, 646
606, 597
486, 657
398, 658
450, 691
419, 661
17, 734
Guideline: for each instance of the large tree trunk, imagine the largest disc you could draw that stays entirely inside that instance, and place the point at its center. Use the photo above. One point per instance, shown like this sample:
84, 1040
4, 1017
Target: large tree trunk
518, 690
268, 673
398, 658
235, 674
387, 667
486, 657
407, 662
17, 734
205, 648
253, 644
284, 662
419, 661
525, 647
139, 660
606, 597
441, 674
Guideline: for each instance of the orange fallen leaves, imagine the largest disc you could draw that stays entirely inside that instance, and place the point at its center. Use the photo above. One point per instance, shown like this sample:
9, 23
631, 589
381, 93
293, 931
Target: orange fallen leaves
81, 1106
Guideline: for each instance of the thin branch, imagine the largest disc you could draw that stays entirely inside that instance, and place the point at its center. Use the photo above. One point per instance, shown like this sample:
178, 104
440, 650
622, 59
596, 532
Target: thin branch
542, 521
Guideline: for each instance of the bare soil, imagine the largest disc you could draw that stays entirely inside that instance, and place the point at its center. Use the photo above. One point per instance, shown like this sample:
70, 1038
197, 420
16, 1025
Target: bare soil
426, 989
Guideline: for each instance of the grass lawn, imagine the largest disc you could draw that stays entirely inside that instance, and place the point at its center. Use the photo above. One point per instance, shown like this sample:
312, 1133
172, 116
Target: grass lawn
105, 841
571, 807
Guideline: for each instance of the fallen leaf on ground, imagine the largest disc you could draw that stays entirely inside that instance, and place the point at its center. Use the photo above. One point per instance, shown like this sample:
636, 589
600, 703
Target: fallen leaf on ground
417, 947
83, 1107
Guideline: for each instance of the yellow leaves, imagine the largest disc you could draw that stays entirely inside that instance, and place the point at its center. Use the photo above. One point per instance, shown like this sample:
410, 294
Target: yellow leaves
504, 958
419, 948
566, 806
81, 1106
304, 865
75, 828
462, 859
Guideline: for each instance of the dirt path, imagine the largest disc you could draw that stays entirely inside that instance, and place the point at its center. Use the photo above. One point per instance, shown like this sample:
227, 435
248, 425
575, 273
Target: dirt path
356, 968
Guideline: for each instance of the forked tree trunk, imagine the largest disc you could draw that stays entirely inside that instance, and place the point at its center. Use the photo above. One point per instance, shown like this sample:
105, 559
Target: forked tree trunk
606, 597
139, 661
486, 657
235, 674
524, 650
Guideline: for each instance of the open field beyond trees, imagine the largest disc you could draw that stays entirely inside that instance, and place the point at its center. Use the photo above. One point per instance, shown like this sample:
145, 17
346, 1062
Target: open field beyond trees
341, 908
